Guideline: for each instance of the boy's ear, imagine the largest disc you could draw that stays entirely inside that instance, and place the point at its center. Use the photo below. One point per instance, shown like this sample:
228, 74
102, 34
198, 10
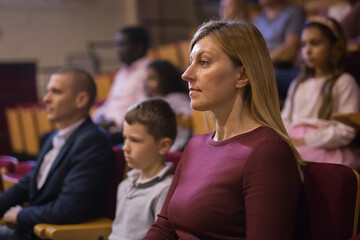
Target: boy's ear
243, 78
164, 145
82, 98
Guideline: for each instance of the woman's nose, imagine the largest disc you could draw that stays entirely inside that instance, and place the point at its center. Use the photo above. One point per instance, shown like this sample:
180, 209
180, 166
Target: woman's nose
186, 76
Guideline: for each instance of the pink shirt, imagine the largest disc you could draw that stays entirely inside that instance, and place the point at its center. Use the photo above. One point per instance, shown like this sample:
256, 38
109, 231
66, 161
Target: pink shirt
127, 89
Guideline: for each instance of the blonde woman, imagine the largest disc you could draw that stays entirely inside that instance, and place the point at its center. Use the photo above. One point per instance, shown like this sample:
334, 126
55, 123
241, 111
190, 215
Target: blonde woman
242, 181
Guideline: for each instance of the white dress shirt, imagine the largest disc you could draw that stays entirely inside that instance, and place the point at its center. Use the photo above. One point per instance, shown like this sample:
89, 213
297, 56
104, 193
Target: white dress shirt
58, 142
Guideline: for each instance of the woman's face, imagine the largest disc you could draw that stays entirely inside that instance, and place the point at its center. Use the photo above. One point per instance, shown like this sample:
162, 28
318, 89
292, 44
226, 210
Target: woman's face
315, 49
211, 77
153, 82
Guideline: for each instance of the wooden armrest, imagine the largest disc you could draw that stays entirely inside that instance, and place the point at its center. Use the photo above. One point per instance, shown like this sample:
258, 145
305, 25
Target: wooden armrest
1, 221
353, 47
351, 119
39, 230
88, 230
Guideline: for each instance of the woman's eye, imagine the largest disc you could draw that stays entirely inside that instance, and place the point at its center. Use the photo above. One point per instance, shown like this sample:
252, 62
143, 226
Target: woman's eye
204, 62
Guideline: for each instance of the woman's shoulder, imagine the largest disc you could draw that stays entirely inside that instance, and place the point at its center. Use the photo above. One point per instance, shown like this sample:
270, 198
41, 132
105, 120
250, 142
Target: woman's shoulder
266, 141
267, 135
272, 149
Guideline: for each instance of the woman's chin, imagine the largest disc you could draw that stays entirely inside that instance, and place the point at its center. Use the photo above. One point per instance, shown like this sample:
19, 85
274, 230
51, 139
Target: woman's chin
198, 107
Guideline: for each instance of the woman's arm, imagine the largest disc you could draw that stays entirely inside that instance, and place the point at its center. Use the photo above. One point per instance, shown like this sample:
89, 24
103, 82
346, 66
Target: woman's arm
271, 191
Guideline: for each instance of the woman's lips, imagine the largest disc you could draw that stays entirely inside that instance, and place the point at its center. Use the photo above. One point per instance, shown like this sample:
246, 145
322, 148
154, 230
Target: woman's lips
193, 91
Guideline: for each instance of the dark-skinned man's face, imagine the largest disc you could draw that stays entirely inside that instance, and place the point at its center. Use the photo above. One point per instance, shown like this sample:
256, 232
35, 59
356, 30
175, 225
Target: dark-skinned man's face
127, 51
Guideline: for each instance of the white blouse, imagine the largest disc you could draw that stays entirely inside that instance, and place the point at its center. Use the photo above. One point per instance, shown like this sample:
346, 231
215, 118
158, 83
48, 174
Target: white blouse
307, 102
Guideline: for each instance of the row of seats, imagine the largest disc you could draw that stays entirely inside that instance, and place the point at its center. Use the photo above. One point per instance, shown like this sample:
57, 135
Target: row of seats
329, 205
25, 126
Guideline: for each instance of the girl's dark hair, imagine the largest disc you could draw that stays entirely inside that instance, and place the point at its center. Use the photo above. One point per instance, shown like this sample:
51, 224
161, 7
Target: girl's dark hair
169, 77
337, 66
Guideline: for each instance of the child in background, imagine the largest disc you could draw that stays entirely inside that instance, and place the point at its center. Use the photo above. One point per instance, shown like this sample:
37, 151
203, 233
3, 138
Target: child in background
164, 80
322, 89
149, 132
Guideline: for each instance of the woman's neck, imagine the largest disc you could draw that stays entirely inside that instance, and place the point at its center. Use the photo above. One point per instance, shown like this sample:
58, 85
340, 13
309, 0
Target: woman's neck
234, 123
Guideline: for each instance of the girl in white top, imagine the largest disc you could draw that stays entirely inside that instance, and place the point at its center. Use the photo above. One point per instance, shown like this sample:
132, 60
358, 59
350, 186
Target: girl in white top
322, 89
164, 80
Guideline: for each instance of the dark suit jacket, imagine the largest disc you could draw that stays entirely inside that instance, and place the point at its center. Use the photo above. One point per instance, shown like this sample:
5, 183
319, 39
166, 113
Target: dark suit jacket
75, 186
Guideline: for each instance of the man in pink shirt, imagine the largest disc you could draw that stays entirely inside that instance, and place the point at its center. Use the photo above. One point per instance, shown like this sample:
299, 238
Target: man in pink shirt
129, 82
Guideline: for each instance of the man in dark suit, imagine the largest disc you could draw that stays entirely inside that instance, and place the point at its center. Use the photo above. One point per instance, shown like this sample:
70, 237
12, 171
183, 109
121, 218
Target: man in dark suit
67, 183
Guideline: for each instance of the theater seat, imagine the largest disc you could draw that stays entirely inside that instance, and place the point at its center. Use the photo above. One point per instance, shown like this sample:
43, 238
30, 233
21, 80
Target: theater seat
98, 228
202, 122
332, 198
7, 164
21, 169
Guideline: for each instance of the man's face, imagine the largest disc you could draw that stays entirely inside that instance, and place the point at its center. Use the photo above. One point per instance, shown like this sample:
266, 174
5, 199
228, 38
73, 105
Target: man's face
127, 51
60, 100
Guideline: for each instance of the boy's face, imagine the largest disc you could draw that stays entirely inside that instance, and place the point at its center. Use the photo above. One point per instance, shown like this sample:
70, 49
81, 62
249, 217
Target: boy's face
140, 148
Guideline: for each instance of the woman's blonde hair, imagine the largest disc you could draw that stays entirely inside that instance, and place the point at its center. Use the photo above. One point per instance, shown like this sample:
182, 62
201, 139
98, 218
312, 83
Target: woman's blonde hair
244, 45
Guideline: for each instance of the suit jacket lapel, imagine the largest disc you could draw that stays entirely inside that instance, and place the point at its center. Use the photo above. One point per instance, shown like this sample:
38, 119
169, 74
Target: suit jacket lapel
46, 148
65, 149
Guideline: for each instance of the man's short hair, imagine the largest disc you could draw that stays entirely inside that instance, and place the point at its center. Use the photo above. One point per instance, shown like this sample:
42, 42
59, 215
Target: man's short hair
137, 35
82, 80
157, 117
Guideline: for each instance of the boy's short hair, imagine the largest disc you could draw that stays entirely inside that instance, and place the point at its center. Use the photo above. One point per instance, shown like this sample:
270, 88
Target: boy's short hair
157, 117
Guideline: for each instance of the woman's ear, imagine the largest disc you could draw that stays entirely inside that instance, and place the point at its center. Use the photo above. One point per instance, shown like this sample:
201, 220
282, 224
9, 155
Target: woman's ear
243, 79
164, 145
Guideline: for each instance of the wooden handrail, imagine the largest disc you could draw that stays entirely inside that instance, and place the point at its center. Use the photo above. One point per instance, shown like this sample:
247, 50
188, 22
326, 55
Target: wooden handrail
351, 119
